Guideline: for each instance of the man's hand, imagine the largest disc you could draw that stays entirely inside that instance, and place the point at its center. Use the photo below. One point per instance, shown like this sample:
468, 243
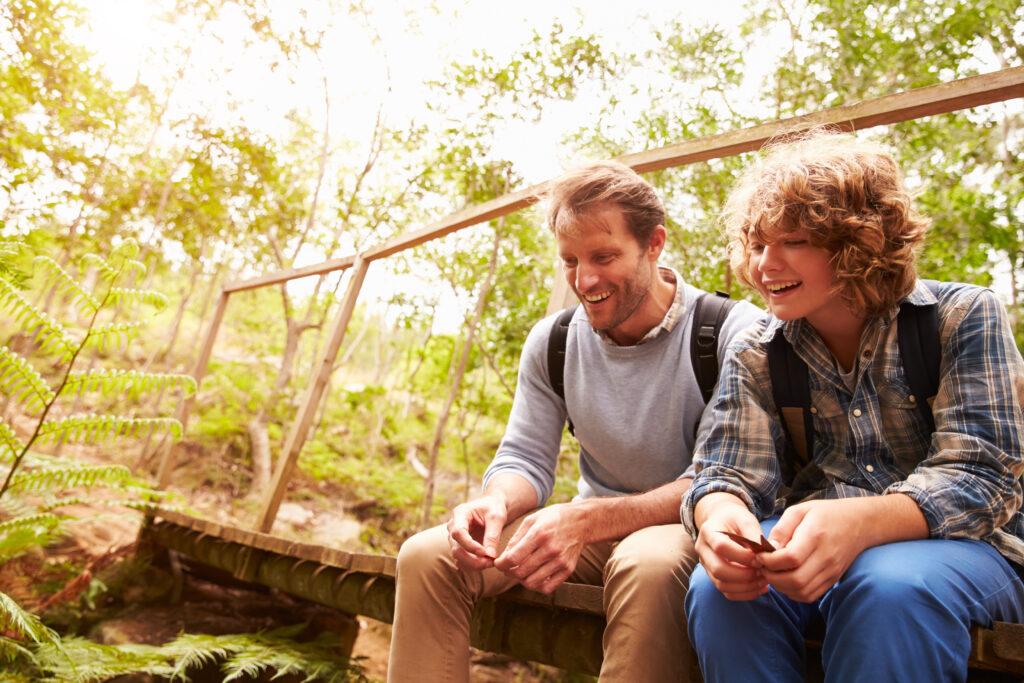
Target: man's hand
733, 569
545, 549
819, 540
474, 529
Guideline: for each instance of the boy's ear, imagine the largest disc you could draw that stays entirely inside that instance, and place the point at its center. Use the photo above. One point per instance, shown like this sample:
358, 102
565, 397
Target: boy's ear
657, 242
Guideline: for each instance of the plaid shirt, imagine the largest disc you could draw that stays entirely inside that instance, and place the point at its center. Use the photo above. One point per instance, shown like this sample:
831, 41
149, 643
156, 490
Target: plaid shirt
965, 477
675, 310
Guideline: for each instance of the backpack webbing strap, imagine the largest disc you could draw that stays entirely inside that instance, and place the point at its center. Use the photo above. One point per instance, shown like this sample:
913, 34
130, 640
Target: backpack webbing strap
709, 313
556, 354
792, 393
917, 333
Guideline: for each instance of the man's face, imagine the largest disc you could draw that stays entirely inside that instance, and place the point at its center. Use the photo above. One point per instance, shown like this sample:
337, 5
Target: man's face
607, 268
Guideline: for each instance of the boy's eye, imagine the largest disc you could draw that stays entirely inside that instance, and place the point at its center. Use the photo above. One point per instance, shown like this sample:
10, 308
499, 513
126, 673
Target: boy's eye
795, 243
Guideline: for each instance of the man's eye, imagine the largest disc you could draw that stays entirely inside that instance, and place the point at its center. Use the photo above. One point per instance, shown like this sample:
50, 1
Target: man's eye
604, 258
569, 263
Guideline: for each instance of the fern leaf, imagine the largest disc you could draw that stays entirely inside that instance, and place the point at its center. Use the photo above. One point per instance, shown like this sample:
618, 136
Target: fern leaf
65, 284
50, 334
126, 295
10, 445
112, 335
90, 428
10, 652
78, 660
21, 381
19, 535
128, 383
116, 268
24, 624
67, 477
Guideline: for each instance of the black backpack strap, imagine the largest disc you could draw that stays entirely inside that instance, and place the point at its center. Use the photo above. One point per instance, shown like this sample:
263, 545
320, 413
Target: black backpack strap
556, 354
709, 313
917, 332
792, 393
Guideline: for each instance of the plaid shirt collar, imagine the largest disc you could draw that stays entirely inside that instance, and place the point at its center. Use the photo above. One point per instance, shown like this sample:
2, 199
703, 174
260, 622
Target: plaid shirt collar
672, 316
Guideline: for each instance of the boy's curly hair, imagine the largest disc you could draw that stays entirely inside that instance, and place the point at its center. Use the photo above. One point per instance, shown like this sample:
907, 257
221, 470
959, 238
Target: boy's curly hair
848, 194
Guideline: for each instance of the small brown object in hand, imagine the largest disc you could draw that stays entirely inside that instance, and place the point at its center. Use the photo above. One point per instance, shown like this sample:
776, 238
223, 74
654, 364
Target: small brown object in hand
762, 546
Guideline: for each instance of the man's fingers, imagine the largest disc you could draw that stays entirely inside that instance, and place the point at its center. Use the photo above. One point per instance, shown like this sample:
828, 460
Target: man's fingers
467, 561
462, 539
493, 524
536, 579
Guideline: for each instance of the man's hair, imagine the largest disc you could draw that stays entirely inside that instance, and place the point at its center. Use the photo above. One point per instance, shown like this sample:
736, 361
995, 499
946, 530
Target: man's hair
600, 185
849, 196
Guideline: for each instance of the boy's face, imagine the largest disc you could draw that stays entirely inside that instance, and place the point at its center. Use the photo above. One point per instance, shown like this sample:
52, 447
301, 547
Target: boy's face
795, 278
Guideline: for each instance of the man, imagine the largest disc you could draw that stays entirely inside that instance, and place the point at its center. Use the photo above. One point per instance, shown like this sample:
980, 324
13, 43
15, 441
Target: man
630, 391
896, 522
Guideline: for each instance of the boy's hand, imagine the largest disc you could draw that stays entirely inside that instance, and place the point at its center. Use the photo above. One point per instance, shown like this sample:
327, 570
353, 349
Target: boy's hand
818, 541
733, 568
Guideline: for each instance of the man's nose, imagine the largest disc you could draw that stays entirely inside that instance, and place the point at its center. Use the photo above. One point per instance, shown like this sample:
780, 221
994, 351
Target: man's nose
585, 278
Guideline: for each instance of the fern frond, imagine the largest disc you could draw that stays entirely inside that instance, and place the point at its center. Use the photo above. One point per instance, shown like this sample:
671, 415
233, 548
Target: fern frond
119, 269
91, 428
65, 284
67, 477
16, 620
28, 532
21, 381
10, 444
128, 383
82, 661
10, 652
127, 295
50, 334
112, 335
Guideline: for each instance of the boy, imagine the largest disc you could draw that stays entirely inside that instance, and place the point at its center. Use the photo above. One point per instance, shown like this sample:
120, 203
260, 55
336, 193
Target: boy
898, 534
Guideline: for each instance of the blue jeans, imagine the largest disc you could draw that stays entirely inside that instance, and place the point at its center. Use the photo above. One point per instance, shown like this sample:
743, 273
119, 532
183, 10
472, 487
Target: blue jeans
901, 612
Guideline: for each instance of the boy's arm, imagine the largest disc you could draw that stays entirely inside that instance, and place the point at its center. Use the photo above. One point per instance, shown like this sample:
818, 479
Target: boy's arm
969, 484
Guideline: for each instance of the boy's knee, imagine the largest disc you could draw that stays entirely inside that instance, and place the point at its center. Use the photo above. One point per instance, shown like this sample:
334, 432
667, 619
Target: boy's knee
877, 582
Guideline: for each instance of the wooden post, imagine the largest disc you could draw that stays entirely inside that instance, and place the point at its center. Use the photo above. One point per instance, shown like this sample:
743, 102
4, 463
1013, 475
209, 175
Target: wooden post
310, 402
167, 457
562, 295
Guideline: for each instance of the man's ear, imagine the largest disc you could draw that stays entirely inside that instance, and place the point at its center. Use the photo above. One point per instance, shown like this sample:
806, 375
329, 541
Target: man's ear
657, 242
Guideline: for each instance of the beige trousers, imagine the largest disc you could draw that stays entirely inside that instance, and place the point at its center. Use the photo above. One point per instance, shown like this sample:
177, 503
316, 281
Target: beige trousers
645, 577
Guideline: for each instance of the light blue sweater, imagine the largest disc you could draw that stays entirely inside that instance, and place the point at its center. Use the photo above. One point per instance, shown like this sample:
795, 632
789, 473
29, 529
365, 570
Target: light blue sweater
634, 408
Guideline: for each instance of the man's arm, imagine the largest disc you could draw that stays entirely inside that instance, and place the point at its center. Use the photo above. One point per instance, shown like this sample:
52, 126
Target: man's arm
545, 549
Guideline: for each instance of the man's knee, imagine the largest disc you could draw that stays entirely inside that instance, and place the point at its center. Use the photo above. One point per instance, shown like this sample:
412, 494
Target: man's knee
657, 556
423, 554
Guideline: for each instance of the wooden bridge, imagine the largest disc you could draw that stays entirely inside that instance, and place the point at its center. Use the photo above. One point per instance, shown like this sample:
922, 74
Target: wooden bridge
563, 629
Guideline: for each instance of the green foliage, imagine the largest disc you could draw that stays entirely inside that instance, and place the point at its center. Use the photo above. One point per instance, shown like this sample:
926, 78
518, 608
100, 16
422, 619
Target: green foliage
94, 429
240, 656
131, 384
21, 381
16, 622
36, 485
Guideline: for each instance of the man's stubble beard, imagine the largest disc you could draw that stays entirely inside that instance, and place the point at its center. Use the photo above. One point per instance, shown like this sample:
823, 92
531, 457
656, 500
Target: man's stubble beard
632, 295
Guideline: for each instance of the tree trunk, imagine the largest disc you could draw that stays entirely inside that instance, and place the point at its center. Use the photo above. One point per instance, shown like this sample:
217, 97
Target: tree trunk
460, 370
